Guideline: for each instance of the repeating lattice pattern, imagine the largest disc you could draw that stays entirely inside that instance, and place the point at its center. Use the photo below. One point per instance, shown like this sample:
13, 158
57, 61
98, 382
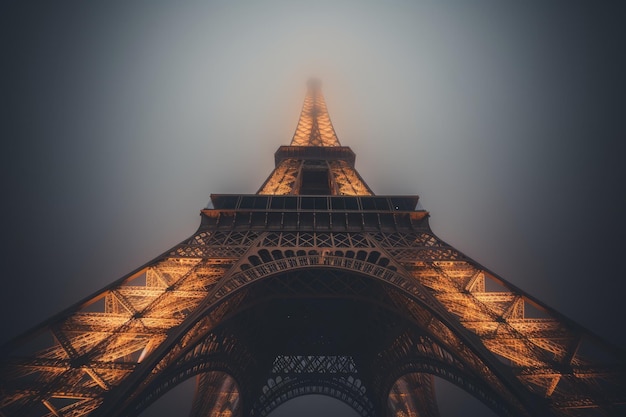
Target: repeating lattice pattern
348, 180
284, 365
283, 179
549, 355
321, 240
334, 376
68, 366
314, 127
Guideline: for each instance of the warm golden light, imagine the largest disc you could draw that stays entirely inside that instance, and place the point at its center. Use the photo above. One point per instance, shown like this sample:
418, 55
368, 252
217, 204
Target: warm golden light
168, 320
314, 127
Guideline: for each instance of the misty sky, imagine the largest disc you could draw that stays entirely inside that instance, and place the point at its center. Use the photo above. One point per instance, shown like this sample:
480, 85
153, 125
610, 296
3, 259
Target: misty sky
119, 118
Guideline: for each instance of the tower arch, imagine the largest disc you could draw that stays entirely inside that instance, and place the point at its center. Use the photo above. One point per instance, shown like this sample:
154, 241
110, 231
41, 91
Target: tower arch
325, 315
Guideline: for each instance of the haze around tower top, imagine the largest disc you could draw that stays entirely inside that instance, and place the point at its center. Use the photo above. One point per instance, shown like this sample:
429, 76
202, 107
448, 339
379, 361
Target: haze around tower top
120, 118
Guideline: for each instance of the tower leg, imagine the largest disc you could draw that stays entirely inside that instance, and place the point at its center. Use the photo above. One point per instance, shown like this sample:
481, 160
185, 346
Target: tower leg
413, 395
216, 395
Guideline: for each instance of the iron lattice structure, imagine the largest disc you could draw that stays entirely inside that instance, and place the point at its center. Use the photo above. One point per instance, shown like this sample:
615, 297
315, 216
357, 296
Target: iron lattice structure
312, 285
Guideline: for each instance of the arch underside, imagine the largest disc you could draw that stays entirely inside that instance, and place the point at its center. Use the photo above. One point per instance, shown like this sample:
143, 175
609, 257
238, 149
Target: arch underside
330, 332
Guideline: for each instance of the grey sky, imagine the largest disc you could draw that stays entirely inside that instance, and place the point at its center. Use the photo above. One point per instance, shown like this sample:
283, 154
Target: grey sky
120, 118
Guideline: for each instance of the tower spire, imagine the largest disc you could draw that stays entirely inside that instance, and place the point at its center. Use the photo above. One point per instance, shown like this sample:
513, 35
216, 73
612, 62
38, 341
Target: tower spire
314, 127
314, 163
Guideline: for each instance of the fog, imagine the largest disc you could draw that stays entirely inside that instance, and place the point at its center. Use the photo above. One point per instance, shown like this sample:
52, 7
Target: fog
120, 118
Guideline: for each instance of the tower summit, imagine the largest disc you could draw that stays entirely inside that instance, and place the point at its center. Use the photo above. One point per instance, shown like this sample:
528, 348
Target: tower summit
314, 163
313, 285
314, 127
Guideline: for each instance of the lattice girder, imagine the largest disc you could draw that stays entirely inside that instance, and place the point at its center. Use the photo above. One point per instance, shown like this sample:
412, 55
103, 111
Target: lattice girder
334, 376
498, 317
284, 179
414, 353
288, 178
96, 345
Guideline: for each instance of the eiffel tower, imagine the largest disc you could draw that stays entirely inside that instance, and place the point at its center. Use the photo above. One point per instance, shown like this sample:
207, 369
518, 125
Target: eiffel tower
313, 285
